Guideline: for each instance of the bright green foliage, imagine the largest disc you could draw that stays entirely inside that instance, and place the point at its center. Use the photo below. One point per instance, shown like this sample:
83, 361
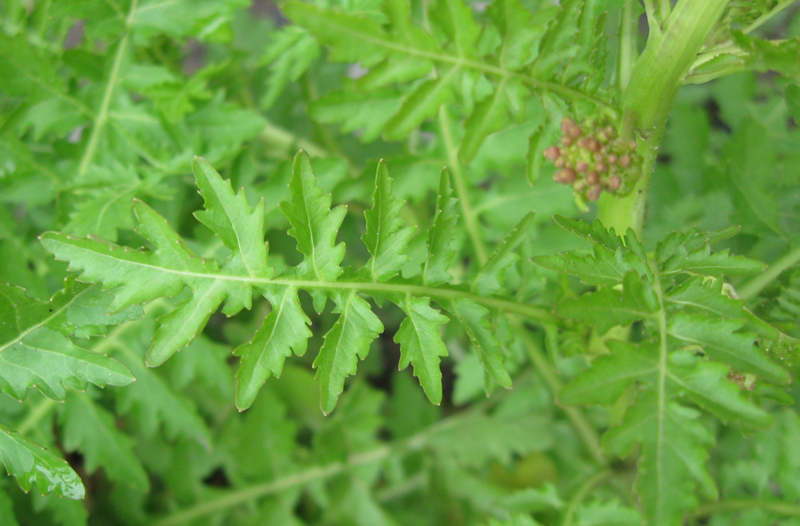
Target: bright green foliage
488, 67
33, 465
692, 339
144, 275
36, 349
457, 344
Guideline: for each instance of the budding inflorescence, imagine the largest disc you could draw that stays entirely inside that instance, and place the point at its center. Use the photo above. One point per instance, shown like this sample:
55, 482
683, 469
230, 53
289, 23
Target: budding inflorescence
592, 159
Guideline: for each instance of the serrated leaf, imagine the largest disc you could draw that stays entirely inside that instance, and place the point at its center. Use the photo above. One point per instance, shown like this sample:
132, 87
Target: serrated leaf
385, 237
608, 307
241, 228
364, 112
490, 279
674, 448
534, 158
609, 375
421, 344
601, 267
422, 103
519, 31
706, 383
721, 341
704, 296
455, 19
353, 38
314, 224
347, 341
35, 466
594, 232
475, 320
488, 117
290, 53
151, 402
441, 235
706, 263
284, 330
35, 350
91, 428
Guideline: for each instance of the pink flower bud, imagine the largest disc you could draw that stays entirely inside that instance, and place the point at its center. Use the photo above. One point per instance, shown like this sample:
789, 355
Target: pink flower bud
594, 193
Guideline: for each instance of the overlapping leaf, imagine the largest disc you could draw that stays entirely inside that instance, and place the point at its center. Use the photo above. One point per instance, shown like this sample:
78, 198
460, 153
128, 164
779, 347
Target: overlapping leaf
170, 266
36, 349
691, 340
35, 466
491, 79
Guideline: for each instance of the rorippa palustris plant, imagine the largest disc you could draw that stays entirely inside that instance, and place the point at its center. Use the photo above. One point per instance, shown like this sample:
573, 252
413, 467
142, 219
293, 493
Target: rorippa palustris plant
637, 350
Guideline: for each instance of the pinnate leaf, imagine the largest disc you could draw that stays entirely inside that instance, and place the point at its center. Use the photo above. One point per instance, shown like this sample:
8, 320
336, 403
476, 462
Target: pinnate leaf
92, 429
35, 349
421, 344
385, 238
314, 224
35, 466
284, 330
347, 341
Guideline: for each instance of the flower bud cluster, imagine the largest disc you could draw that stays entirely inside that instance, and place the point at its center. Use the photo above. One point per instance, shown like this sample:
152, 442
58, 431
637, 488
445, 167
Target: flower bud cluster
592, 159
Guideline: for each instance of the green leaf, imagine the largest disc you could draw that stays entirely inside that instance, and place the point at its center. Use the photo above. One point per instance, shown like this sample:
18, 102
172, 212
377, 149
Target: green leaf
33, 465
348, 340
610, 375
230, 217
441, 249
674, 445
353, 38
490, 279
534, 159
385, 238
422, 103
35, 349
488, 117
314, 224
284, 330
290, 53
364, 112
421, 344
721, 341
475, 320
91, 429
707, 385
704, 296
609, 307
455, 19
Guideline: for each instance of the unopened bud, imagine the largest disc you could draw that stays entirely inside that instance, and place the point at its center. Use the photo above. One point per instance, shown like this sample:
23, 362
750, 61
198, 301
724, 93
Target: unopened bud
625, 161
614, 182
551, 153
582, 166
594, 193
592, 178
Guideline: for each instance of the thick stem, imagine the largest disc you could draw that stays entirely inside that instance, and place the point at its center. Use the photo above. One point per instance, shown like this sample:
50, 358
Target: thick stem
651, 92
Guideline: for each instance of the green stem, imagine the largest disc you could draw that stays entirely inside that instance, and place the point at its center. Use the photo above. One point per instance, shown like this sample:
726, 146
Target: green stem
627, 43
464, 201
287, 141
579, 495
757, 284
584, 429
102, 115
778, 507
648, 99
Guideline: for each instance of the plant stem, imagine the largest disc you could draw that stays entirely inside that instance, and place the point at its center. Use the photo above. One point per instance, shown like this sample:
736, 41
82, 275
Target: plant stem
584, 429
779, 507
579, 495
464, 200
111, 85
757, 284
648, 99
